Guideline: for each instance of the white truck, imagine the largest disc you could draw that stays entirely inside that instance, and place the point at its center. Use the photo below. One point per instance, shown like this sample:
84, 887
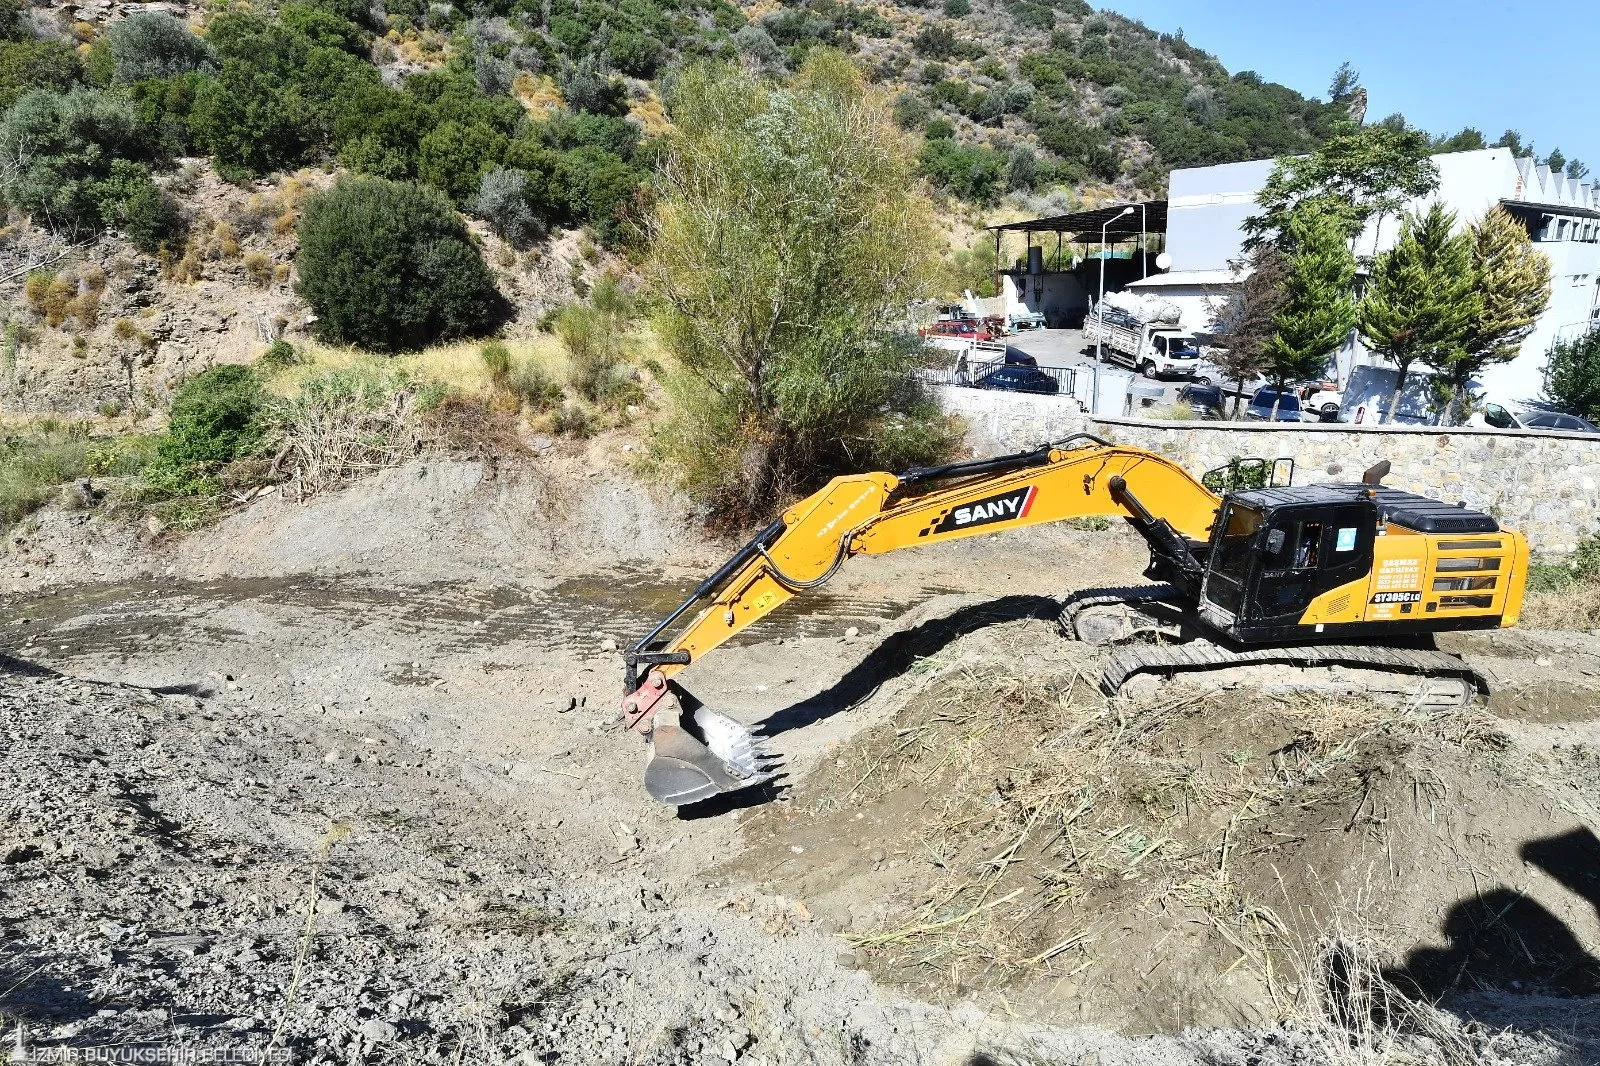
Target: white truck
1156, 348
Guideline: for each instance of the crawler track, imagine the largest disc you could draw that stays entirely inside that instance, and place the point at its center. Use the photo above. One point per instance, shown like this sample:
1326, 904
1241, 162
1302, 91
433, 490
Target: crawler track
1427, 677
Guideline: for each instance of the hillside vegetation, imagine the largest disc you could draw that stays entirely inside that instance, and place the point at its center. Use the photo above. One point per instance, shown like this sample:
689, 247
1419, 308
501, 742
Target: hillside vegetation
538, 115
183, 192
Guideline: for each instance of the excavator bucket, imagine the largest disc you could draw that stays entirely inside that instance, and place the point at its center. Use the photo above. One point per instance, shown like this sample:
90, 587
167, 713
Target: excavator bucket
696, 754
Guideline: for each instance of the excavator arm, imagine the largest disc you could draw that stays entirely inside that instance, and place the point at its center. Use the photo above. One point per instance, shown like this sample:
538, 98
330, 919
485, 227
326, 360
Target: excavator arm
697, 752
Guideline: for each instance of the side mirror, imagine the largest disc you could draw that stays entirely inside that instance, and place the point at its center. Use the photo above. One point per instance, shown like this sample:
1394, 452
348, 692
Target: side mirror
1274, 544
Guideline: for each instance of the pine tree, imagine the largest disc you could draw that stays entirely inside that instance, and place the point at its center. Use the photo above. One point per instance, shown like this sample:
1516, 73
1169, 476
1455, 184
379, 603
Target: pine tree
1512, 280
1572, 375
1422, 298
1318, 309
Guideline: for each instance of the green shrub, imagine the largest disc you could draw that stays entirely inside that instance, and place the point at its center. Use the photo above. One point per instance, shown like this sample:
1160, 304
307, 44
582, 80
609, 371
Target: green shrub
154, 44
280, 355
574, 420
389, 266
503, 202
32, 64
971, 172
530, 384
497, 362
456, 156
957, 8
35, 464
589, 347
757, 43
935, 41
66, 147
1581, 567
216, 417
617, 385
1572, 374
910, 110
148, 217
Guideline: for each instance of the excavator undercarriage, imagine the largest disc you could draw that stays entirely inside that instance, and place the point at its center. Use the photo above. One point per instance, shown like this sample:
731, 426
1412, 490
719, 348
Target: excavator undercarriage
1335, 587
1151, 638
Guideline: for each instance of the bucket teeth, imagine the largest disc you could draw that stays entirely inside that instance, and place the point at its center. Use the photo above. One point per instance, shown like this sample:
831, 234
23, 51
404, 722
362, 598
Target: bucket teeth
694, 757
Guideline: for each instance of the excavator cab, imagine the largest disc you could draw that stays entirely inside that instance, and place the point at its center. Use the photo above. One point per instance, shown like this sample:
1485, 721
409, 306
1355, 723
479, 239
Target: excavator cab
1273, 552
1354, 560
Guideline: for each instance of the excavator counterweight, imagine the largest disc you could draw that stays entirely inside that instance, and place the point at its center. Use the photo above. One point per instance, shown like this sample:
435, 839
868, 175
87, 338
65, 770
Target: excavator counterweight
1352, 575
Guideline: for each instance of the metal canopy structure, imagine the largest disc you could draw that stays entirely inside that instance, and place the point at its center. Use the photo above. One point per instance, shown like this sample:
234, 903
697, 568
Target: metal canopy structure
1103, 225
1148, 216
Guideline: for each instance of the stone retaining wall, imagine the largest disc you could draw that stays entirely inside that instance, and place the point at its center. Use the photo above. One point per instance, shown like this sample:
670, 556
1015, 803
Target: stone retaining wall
1545, 484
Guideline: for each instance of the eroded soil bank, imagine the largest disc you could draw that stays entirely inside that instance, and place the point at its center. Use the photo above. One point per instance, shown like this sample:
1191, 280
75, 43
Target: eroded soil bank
346, 778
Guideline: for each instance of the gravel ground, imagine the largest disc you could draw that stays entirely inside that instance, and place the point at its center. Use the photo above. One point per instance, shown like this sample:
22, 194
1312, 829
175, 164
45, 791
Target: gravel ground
375, 810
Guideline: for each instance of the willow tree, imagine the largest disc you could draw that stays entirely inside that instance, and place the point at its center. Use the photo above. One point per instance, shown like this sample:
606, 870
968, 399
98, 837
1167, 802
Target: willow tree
1511, 280
1422, 298
788, 239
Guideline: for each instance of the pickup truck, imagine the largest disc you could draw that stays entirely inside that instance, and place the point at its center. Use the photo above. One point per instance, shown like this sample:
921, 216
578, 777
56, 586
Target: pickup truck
1154, 349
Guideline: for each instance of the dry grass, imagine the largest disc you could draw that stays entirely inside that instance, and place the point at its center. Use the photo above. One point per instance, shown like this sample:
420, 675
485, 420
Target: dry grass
459, 366
538, 93
1351, 1015
1573, 607
1050, 813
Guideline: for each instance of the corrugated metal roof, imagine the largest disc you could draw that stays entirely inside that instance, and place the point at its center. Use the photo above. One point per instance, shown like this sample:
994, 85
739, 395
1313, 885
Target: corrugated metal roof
1149, 216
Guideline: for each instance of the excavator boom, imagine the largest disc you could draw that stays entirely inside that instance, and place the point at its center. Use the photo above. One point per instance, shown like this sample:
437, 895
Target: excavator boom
696, 752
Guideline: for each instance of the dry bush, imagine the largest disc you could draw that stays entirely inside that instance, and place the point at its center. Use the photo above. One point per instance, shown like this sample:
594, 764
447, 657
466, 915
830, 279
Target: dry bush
258, 268
1351, 1015
1575, 607
224, 242
129, 332
347, 423
58, 297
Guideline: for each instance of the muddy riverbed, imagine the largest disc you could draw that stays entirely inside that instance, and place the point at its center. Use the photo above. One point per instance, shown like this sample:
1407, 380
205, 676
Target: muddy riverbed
380, 809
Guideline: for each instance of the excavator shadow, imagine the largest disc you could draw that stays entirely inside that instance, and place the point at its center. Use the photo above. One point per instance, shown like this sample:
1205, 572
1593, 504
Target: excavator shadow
1500, 938
10, 664
898, 651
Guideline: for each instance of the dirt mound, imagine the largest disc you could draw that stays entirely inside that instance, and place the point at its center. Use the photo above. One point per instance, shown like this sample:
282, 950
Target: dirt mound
1010, 833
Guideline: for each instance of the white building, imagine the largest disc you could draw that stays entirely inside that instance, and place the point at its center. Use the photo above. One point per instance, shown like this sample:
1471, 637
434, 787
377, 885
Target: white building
1207, 207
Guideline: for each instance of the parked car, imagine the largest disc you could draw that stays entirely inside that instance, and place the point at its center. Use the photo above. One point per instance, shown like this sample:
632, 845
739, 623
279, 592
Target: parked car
1501, 418
1322, 400
1018, 357
1019, 379
1206, 401
1261, 404
1208, 373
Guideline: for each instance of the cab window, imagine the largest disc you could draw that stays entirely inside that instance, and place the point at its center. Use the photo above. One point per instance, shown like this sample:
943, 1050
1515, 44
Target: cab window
1294, 546
1233, 551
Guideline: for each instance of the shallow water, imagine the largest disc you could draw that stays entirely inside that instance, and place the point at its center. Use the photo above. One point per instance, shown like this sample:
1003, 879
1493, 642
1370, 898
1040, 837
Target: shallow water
129, 617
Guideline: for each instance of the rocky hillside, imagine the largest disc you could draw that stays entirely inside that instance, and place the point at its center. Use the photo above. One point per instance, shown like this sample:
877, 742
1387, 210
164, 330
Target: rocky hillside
159, 155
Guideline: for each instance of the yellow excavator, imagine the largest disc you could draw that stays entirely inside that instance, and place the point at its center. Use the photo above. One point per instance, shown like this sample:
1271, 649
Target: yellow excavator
1357, 576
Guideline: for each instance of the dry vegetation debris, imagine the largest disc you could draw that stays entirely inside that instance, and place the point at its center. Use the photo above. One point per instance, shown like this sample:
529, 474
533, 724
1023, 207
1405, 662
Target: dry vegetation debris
1179, 859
